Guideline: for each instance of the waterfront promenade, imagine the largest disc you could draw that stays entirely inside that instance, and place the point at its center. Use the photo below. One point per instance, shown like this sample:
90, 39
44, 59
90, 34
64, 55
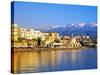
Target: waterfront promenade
39, 49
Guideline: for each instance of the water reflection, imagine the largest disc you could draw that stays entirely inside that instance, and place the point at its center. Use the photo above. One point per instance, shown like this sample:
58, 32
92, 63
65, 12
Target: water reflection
53, 60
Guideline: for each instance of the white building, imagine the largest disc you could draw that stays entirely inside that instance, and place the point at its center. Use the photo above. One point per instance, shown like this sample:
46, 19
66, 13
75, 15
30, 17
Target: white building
30, 33
45, 36
37, 34
26, 33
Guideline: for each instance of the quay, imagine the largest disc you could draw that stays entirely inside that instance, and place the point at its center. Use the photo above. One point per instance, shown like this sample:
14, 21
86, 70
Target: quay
43, 49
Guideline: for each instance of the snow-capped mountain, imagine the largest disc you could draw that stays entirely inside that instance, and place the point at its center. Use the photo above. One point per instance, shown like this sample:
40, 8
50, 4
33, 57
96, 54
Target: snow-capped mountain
89, 29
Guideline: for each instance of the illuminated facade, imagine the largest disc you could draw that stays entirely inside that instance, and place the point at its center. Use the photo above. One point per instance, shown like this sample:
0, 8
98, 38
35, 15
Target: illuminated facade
15, 32
73, 43
26, 33
42, 39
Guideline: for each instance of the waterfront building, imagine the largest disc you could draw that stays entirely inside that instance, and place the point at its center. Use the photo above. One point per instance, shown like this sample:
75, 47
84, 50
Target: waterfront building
85, 37
44, 39
45, 36
64, 40
56, 45
15, 32
88, 42
26, 33
37, 34
36, 38
53, 36
73, 43
48, 43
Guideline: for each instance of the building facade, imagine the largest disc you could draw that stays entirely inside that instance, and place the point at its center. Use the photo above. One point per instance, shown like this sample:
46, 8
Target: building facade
73, 43
15, 32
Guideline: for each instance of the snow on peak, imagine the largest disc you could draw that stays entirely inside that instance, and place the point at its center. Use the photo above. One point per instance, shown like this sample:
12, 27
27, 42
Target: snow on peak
93, 24
82, 24
58, 26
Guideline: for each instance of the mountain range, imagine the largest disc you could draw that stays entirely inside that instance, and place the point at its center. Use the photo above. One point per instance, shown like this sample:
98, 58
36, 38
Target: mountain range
89, 29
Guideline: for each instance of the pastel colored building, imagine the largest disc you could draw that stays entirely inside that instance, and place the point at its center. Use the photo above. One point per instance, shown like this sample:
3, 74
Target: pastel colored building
74, 43
15, 32
26, 33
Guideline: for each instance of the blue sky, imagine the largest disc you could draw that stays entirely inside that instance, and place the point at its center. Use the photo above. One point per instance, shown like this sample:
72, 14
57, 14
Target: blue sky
32, 15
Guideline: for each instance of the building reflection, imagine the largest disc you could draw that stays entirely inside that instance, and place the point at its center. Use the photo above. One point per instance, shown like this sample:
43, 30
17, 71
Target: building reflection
45, 60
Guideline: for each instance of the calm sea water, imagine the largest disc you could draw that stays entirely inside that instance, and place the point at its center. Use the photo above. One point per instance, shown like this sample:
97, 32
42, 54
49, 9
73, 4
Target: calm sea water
54, 60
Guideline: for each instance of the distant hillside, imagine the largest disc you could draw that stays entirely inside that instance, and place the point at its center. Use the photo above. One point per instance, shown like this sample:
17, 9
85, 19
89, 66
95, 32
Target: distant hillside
76, 29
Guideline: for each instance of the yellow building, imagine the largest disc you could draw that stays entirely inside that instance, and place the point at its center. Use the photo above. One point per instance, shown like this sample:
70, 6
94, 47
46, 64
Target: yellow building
64, 40
53, 36
23, 36
15, 32
73, 43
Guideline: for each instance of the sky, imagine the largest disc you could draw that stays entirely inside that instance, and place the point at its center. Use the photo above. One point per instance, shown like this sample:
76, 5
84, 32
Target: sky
45, 15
